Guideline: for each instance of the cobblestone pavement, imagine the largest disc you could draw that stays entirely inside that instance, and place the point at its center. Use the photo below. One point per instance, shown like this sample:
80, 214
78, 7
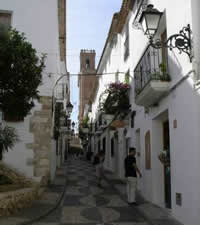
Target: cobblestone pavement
43, 206
84, 203
87, 204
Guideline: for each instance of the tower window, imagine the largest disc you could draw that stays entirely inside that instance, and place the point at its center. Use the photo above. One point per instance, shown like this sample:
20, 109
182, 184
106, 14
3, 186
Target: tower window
87, 64
5, 21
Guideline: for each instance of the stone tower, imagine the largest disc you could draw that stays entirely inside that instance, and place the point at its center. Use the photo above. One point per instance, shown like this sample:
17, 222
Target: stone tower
87, 80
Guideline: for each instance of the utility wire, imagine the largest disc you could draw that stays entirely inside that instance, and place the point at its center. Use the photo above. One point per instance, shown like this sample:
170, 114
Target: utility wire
87, 74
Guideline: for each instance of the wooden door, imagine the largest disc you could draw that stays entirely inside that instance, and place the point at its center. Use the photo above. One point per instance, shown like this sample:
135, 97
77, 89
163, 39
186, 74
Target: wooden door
167, 173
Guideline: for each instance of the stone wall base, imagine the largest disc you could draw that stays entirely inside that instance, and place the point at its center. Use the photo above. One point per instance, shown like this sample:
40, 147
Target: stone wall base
12, 202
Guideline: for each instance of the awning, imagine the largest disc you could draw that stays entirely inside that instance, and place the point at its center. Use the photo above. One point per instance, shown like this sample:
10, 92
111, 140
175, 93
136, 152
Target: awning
75, 146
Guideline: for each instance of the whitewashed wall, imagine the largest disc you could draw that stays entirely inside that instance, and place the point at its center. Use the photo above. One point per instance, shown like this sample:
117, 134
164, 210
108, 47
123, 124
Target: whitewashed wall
182, 104
39, 21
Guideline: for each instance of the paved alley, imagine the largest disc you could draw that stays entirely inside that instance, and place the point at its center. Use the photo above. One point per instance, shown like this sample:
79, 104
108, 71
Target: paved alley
87, 204
75, 199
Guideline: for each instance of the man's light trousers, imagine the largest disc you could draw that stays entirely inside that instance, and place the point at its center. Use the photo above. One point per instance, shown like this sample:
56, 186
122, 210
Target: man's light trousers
131, 188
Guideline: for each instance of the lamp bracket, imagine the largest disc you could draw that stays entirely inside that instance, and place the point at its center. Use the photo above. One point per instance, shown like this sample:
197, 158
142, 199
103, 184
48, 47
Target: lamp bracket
181, 41
136, 24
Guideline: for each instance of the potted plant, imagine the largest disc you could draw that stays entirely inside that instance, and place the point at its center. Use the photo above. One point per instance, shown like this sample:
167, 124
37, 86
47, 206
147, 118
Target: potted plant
162, 74
85, 125
8, 137
115, 98
164, 157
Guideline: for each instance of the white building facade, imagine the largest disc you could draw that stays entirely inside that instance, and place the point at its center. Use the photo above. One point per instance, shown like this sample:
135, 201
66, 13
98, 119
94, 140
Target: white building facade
164, 112
41, 21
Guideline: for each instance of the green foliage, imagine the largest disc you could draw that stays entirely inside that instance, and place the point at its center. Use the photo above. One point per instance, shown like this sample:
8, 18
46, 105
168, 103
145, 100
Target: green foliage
85, 122
20, 73
117, 98
163, 68
4, 180
8, 137
81, 134
161, 75
58, 110
127, 78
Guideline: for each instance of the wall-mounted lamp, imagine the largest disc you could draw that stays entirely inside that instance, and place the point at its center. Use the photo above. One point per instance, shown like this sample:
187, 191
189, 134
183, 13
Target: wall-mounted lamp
73, 125
150, 19
69, 107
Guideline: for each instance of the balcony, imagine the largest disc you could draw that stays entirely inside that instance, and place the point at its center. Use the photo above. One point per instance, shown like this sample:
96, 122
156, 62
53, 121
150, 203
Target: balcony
152, 80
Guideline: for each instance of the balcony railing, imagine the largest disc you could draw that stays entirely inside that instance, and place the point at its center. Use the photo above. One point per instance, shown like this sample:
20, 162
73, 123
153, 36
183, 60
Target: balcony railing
150, 67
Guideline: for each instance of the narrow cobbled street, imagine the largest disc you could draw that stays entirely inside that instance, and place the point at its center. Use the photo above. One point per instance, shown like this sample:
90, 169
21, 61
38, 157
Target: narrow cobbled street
85, 203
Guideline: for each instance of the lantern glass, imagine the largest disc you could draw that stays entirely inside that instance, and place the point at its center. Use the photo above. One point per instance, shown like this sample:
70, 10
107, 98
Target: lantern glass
69, 107
150, 20
73, 124
152, 23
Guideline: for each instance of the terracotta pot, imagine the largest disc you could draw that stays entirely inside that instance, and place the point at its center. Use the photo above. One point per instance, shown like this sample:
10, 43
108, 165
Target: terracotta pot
118, 124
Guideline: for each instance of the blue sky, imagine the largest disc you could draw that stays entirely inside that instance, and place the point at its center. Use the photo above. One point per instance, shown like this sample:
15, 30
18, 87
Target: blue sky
88, 23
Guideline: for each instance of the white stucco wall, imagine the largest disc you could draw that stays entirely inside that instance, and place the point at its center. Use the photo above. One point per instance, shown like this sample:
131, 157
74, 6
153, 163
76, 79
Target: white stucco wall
181, 105
39, 21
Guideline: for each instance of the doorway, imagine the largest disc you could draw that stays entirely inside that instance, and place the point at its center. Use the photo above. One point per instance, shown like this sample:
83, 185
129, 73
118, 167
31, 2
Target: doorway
138, 156
116, 155
104, 145
167, 171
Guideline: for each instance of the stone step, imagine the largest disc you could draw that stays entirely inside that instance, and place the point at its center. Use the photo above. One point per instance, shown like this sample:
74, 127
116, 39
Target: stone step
43, 113
45, 100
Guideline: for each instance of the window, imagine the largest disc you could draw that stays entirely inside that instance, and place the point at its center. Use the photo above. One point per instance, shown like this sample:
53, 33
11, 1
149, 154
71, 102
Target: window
148, 150
100, 120
96, 127
126, 44
5, 20
99, 146
164, 50
104, 145
133, 119
112, 147
87, 64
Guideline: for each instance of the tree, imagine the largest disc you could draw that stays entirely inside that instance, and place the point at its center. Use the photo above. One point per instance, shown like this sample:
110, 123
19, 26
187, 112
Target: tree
20, 74
8, 137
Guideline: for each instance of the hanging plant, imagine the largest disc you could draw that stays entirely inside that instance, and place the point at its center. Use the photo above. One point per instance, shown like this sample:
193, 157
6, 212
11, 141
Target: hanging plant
115, 98
58, 112
85, 122
164, 157
8, 138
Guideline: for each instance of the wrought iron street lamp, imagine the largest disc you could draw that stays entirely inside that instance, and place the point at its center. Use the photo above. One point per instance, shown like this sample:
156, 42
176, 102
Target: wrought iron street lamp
150, 19
73, 125
69, 107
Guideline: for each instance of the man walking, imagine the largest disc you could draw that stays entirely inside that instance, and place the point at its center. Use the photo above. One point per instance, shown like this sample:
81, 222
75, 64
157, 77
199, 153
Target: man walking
131, 171
98, 162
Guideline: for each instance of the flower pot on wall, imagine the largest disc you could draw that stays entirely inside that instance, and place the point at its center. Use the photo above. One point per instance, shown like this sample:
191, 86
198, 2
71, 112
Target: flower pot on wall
108, 118
85, 130
118, 124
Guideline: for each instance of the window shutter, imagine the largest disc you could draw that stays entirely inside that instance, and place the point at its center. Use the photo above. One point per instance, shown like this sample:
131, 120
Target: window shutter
148, 150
